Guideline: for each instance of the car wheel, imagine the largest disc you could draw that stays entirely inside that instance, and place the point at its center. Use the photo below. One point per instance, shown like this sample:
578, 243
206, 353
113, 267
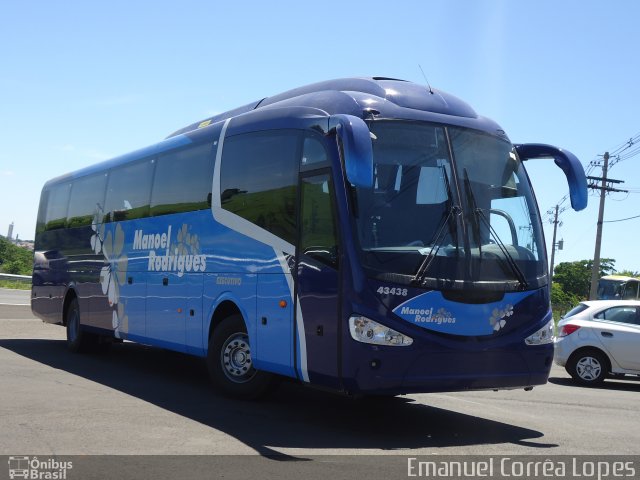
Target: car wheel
230, 363
588, 367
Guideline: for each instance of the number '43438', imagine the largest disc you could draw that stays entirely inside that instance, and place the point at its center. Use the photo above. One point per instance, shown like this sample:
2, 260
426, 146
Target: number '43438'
401, 292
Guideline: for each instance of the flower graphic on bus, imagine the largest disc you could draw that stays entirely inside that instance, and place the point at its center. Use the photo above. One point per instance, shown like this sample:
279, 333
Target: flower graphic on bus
114, 272
187, 243
98, 231
497, 319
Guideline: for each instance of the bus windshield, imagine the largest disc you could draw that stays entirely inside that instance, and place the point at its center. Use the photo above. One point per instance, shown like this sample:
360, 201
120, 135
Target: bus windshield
609, 289
448, 206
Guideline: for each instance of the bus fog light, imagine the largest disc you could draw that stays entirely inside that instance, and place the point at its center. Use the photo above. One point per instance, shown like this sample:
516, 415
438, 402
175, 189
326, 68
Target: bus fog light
366, 330
542, 336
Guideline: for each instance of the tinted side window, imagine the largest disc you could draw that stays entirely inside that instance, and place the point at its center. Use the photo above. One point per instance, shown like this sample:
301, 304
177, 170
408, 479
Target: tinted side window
57, 203
627, 314
87, 196
313, 152
258, 179
128, 191
42, 211
318, 237
183, 181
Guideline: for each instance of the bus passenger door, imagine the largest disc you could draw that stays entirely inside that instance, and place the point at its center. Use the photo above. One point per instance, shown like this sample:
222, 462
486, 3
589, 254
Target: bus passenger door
317, 284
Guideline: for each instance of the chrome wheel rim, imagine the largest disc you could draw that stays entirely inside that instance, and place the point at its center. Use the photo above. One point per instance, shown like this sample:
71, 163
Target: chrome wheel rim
588, 368
236, 358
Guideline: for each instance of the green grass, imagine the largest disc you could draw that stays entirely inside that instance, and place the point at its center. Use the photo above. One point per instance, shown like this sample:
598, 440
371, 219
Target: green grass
15, 285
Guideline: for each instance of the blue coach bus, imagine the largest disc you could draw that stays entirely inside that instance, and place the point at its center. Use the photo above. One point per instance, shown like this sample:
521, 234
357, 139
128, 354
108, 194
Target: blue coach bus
366, 235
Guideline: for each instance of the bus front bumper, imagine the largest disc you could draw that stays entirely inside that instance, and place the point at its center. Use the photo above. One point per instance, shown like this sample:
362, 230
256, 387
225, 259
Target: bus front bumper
392, 371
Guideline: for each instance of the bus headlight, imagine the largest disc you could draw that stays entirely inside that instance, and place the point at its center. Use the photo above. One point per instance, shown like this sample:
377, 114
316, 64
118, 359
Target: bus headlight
366, 330
542, 336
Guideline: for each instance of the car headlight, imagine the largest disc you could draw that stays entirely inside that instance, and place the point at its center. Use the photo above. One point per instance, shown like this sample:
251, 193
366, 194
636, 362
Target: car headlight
542, 336
365, 330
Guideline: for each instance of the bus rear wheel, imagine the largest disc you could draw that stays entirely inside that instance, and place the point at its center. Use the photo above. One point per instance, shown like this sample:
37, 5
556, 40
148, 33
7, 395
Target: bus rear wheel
79, 341
230, 364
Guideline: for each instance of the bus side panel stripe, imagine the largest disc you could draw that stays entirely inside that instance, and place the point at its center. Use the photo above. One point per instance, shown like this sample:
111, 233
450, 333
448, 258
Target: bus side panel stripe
301, 341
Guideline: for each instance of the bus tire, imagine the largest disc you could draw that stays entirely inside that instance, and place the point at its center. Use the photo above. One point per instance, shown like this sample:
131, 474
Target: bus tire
77, 340
229, 361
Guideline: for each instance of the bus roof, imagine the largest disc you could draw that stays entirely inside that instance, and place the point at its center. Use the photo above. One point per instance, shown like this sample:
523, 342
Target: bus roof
380, 97
620, 278
386, 97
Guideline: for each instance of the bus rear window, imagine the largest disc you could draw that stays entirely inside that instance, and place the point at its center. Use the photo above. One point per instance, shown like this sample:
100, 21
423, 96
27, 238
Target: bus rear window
57, 203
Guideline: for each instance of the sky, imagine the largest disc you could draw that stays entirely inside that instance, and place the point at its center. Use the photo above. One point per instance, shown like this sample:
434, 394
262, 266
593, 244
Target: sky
81, 82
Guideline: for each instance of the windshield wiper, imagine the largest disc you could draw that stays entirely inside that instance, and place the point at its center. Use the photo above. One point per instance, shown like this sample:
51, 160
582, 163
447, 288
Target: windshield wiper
474, 207
453, 210
478, 213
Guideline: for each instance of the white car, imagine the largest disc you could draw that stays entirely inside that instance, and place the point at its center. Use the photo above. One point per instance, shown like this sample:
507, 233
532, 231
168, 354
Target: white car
600, 338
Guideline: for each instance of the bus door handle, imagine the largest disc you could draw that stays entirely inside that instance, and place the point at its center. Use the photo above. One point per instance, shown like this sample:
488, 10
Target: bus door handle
607, 334
165, 281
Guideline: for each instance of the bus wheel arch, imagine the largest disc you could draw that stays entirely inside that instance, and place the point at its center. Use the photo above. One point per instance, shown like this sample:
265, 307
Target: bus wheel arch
225, 309
69, 296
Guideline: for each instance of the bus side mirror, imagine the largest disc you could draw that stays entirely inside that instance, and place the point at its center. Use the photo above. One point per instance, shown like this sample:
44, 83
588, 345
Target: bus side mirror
356, 148
569, 164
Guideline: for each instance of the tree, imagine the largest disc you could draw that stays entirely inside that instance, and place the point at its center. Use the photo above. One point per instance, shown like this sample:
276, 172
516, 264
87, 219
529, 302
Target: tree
575, 277
14, 259
561, 301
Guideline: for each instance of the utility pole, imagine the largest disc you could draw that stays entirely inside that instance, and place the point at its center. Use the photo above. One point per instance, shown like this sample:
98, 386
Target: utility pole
553, 244
595, 272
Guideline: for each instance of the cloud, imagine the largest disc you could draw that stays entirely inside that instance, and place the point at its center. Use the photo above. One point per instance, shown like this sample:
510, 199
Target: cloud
7, 173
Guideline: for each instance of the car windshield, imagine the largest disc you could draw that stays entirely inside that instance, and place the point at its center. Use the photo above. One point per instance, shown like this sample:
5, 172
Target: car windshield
448, 206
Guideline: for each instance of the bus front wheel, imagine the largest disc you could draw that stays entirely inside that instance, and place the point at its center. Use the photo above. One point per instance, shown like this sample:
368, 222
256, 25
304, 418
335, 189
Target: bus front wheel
230, 363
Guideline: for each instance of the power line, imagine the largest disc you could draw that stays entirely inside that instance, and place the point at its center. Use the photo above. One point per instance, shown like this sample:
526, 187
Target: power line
624, 151
621, 219
627, 150
625, 145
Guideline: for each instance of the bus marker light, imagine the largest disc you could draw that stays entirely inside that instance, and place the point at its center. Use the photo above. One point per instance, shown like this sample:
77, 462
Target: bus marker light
283, 304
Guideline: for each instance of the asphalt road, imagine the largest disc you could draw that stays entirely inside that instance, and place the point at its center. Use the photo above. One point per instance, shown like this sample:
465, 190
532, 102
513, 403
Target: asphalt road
140, 400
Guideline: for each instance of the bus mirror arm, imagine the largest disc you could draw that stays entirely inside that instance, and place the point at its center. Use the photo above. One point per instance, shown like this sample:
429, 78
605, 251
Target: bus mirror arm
357, 149
569, 164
